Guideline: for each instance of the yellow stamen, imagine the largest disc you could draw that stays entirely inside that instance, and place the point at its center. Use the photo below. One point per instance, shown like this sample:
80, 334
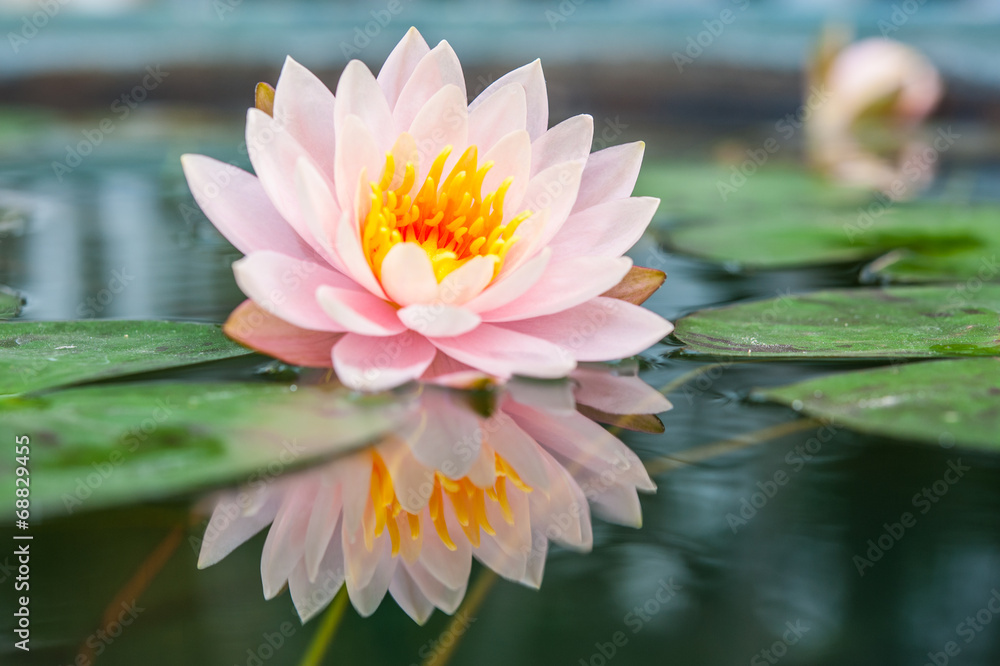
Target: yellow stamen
450, 217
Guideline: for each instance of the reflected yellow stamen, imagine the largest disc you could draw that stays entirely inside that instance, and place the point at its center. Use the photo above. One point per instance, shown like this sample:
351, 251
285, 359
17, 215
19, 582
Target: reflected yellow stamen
414, 521
468, 502
393, 535
501, 487
437, 517
368, 527
479, 509
503, 467
449, 218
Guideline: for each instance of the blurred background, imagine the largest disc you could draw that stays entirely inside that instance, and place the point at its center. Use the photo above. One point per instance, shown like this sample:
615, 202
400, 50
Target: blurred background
98, 100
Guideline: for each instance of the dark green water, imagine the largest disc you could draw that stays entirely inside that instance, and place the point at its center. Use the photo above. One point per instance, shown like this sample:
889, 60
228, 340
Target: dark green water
779, 582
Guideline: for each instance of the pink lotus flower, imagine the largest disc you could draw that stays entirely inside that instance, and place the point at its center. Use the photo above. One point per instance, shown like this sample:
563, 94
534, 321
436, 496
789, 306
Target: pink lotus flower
879, 77
408, 515
874, 84
396, 222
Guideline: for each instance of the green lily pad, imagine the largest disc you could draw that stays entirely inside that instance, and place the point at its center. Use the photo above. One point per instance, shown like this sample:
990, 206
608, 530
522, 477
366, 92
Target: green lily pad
931, 243
784, 241
10, 303
42, 355
940, 402
95, 446
699, 191
793, 217
921, 242
891, 322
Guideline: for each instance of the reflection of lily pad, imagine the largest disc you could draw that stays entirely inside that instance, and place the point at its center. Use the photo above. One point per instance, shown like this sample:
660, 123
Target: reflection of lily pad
99, 445
41, 355
895, 322
940, 402
10, 303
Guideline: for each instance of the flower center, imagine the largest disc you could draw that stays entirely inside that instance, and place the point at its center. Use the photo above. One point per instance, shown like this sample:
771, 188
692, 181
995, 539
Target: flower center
450, 219
467, 499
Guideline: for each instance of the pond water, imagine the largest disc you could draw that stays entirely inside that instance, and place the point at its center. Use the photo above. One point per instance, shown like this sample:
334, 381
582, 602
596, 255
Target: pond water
731, 566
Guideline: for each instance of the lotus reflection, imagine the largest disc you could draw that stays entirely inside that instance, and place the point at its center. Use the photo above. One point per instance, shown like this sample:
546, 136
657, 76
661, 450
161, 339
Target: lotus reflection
477, 469
878, 92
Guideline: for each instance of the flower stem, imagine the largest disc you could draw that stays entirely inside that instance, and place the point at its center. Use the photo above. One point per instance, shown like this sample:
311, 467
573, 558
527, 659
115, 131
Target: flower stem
327, 630
706, 451
457, 626
135, 586
683, 379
